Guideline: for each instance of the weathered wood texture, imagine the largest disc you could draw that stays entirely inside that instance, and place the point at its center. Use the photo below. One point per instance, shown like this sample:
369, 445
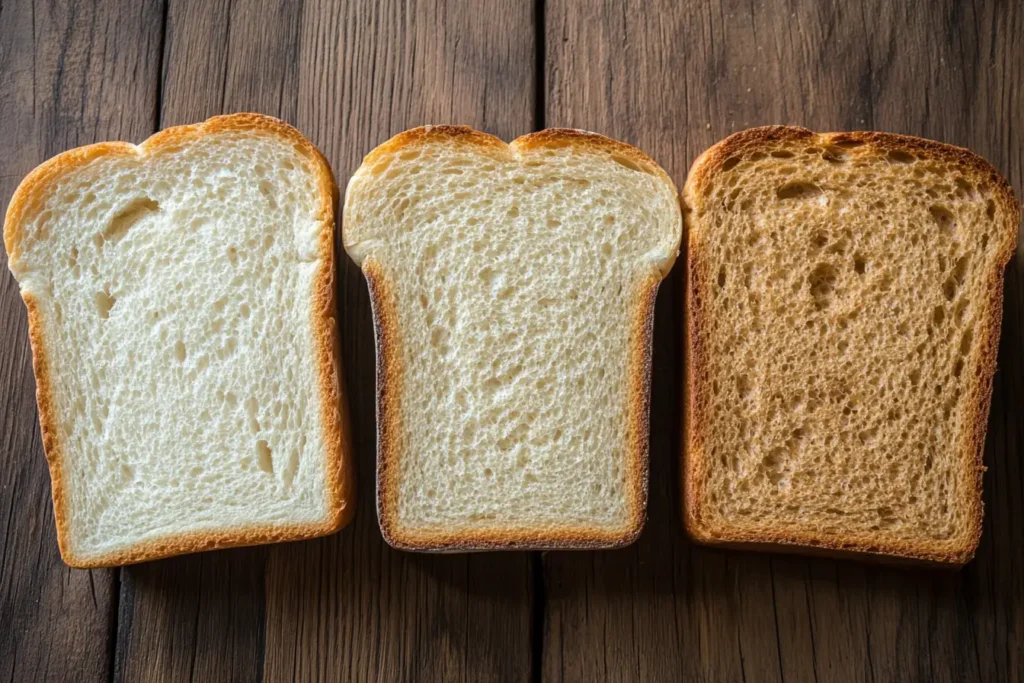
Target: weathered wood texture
70, 74
670, 77
674, 78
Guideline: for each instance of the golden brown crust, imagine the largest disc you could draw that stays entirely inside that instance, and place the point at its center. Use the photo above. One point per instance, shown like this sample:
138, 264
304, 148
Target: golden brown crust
389, 369
861, 544
554, 138
334, 406
435, 134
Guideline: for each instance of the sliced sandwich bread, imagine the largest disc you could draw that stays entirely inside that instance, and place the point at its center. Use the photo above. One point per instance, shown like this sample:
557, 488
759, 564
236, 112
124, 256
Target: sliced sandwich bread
513, 293
181, 309
843, 310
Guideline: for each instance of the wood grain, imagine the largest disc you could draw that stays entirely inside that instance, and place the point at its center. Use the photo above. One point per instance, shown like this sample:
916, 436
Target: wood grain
349, 607
70, 74
670, 77
673, 78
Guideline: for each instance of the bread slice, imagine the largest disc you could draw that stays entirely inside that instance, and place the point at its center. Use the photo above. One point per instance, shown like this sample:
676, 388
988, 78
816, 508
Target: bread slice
842, 323
181, 310
513, 292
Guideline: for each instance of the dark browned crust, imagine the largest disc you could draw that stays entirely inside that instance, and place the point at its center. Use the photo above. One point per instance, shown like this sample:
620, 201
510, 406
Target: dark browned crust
340, 483
695, 381
390, 371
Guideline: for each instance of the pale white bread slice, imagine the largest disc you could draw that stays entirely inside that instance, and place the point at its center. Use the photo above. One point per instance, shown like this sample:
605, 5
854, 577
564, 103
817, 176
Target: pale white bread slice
181, 310
843, 310
513, 293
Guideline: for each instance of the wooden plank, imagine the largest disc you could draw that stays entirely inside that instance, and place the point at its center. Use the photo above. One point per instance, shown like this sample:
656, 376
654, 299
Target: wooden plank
674, 78
70, 74
201, 617
349, 607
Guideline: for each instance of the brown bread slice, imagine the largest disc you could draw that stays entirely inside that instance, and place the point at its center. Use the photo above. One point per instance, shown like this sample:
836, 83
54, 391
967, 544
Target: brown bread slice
843, 310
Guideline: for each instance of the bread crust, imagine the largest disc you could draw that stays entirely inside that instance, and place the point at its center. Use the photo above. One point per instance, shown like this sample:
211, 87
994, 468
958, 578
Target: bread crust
387, 334
334, 405
695, 383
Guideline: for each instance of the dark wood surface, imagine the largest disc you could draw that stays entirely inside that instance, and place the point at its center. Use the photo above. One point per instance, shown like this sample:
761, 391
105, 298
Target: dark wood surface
669, 77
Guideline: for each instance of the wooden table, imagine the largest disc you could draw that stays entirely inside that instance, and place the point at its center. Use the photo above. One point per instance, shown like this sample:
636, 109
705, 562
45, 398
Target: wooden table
670, 77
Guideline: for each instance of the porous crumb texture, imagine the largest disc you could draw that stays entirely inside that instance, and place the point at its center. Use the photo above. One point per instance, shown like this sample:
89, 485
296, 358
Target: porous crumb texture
173, 286
520, 278
844, 312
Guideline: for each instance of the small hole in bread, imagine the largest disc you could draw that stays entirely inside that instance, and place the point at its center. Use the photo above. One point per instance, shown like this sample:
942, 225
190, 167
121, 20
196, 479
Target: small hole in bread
743, 386
943, 218
730, 163
966, 340
266, 190
835, 155
104, 302
822, 282
264, 456
964, 188
773, 465
798, 190
782, 154
960, 268
128, 217
949, 288
990, 209
898, 156
179, 351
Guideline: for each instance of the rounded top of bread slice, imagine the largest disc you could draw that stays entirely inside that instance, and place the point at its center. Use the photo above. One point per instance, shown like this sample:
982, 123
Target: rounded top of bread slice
181, 312
512, 289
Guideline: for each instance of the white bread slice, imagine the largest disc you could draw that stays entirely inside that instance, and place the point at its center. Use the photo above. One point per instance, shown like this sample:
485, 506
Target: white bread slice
513, 295
181, 309
843, 310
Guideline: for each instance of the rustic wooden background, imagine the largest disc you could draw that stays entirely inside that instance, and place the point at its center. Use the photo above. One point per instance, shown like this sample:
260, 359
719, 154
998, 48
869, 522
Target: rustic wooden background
671, 77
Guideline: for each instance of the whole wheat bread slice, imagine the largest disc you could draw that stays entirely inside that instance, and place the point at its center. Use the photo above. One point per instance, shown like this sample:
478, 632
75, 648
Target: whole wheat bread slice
842, 323
181, 310
513, 293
